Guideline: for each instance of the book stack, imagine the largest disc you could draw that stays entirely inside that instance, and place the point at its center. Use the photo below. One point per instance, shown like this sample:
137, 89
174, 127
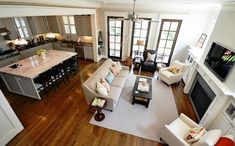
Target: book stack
98, 102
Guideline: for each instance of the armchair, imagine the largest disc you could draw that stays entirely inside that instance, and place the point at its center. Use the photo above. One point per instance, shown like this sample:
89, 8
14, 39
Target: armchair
168, 77
149, 65
175, 133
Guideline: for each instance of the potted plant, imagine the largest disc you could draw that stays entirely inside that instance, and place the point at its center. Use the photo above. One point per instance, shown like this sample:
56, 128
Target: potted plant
42, 53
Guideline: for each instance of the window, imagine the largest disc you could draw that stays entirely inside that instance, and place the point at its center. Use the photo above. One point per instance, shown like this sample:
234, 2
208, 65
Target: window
21, 27
140, 31
167, 39
115, 30
69, 25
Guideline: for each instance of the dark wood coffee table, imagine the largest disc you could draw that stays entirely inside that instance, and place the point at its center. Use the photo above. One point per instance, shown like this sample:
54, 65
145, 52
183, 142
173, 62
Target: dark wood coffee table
142, 97
99, 116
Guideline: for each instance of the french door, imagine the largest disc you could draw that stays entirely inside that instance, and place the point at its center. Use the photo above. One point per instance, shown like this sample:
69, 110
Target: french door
115, 33
140, 32
167, 39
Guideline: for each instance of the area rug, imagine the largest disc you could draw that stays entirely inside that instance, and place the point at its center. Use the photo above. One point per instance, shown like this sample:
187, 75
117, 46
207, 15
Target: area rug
137, 119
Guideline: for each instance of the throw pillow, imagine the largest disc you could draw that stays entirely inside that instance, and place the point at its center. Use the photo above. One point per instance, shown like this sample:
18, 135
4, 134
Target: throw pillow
109, 77
106, 84
150, 57
118, 65
115, 70
173, 69
195, 134
100, 89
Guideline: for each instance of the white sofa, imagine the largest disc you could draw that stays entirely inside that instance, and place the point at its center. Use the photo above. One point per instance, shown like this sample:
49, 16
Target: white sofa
175, 133
170, 78
89, 86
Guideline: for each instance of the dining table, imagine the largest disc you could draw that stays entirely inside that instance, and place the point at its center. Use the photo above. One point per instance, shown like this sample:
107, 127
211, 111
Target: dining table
19, 76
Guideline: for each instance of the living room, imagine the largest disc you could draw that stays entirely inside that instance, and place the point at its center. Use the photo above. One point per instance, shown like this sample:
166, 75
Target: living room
66, 114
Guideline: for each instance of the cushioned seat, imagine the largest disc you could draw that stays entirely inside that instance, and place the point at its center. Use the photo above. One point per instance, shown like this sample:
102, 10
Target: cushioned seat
168, 77
114, 93
118, 82
123, 73
175, 133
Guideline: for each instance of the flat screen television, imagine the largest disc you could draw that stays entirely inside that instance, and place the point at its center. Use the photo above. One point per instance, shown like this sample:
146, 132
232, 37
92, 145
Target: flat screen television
220, 61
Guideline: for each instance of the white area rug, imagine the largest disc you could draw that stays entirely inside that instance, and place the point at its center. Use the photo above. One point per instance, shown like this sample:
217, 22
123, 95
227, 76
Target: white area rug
137, 119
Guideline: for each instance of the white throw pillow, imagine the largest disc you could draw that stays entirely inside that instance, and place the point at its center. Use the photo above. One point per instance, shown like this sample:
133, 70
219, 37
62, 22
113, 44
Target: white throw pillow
101, 89
150, 57
119, 65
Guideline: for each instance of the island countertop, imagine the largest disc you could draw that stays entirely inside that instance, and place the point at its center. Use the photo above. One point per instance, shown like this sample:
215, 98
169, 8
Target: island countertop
34, 65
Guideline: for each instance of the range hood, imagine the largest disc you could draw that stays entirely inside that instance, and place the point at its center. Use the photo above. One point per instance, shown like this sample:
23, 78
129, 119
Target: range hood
4, 31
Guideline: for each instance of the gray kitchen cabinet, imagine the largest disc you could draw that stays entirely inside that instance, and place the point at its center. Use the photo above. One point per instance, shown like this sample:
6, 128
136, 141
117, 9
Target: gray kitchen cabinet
53, 24
88, 52
83, 25
9, 24
64, 47
12, 83
38, 25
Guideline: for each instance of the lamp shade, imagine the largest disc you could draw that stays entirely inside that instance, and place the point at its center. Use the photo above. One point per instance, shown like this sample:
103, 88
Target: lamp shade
20, 41
140, 42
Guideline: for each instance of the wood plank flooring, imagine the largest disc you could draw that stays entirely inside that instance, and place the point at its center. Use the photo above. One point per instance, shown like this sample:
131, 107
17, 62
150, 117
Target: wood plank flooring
63, 117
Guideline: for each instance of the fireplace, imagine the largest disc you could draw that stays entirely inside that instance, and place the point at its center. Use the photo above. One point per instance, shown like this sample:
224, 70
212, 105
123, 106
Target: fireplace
201, 95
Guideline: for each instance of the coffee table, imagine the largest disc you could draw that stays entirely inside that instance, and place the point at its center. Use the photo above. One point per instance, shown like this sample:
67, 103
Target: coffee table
142, 97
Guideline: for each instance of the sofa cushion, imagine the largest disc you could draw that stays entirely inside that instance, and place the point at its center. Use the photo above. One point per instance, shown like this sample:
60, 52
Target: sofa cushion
92, 81
115, 93
123, 73
167, 74
180, 128
149, 63
118, 82
103, 72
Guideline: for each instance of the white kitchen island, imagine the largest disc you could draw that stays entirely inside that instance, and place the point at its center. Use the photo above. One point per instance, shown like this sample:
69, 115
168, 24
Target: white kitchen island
21, 80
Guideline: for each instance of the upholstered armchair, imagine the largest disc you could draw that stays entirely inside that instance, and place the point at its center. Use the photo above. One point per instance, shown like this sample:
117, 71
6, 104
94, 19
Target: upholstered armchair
147, 65
168, 77
175, 133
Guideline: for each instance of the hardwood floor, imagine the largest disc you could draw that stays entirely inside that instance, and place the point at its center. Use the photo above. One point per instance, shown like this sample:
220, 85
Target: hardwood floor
62, 118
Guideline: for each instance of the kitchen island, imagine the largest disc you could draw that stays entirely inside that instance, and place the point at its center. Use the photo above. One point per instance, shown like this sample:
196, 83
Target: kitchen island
20, 80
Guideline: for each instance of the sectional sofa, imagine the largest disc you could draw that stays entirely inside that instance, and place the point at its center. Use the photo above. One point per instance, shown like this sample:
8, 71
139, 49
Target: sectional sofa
89, 86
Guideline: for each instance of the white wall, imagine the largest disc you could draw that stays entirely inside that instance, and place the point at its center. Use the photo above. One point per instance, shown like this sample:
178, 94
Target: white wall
223, 34
194, 24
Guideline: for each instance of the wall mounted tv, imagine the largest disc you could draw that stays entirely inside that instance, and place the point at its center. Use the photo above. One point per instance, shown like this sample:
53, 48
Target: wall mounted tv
220, 60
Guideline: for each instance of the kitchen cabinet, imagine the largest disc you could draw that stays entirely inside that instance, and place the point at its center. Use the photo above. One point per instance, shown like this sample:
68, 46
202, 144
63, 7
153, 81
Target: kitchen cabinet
53, 24
88, 52
64, 47
38, 25
9, 24
83, 25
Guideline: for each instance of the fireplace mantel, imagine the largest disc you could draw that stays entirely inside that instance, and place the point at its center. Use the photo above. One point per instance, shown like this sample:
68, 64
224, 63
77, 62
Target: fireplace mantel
223, 93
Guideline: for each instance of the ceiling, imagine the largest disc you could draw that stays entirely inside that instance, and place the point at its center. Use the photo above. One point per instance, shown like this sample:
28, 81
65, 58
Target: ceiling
109, 3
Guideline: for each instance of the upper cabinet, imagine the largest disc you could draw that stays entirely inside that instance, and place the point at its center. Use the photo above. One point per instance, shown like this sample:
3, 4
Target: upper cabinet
38, 25
53, 24
10, 25
83, 25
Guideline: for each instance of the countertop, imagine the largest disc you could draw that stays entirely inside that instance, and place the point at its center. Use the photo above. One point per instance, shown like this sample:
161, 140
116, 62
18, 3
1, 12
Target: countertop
34, 65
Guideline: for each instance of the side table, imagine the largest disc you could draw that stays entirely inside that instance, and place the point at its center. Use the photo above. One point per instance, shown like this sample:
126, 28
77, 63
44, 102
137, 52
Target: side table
99, 116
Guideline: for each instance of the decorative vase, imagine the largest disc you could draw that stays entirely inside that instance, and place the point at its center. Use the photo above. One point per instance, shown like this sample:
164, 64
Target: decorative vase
43, 56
